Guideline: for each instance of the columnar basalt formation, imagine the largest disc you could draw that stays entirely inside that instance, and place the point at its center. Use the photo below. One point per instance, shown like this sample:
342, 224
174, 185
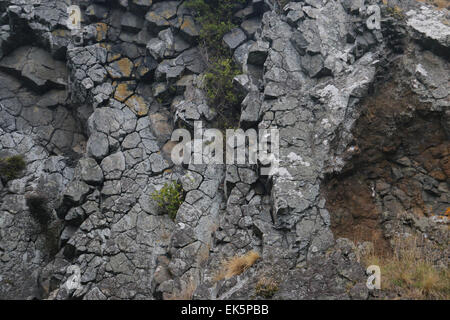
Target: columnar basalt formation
362, 111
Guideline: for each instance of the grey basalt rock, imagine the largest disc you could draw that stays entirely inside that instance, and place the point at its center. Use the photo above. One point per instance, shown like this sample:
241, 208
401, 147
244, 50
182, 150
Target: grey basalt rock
234, 38
191, 181
294, 12
158, 163
314, 65
120, 69
427, 26
74, 195
190, 29
113, 165
106, 100
98, 145
90, 171
257, 53
161, 14
251, 26
97, 12
37, 66
252, 103
131, 23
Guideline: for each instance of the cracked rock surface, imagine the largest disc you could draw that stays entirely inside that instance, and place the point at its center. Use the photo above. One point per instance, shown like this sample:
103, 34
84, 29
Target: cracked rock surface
363, 114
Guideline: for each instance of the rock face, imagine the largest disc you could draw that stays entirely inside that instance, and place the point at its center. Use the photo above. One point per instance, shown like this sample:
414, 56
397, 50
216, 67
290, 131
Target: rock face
36, 66
363, 118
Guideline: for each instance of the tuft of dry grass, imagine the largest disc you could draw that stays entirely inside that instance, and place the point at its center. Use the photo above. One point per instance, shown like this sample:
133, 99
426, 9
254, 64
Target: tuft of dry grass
410, 271
237, 265
266, 287
441, 4
185, 294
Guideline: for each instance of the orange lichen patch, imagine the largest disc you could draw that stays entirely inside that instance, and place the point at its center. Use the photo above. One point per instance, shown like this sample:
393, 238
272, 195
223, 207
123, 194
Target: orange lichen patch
155, 18
113, 56
60, 33
124, 90
189, 26
167, 14
105, 45
237, 265
141, 69
102, 31
120, 69
125, 66
138, 105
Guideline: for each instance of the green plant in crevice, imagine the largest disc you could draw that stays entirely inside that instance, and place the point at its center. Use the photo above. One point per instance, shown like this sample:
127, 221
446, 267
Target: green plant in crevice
38, 206
215, 18
219, 83
396, 12
169, 198
12, 167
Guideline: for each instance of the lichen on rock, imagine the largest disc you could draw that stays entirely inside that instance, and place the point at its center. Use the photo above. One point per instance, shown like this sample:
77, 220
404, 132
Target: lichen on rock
362, 113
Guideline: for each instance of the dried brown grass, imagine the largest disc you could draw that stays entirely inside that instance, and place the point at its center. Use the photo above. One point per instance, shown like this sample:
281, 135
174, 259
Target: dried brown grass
410, 271
185, 294
441, 4
266, 287
237, 265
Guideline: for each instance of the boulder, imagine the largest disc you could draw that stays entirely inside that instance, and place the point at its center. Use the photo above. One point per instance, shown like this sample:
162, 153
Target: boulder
234, 38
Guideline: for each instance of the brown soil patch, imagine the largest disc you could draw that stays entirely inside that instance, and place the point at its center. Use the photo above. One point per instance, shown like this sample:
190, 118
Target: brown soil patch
399, 145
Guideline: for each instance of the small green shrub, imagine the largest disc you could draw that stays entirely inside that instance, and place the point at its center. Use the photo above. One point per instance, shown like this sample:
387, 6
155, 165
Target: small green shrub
219, 83
38, 206
50, 228
169, 198
396, 12
215, 18
12, 167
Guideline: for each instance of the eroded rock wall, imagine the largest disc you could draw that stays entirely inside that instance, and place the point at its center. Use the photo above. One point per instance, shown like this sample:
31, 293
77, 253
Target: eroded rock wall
93, 111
